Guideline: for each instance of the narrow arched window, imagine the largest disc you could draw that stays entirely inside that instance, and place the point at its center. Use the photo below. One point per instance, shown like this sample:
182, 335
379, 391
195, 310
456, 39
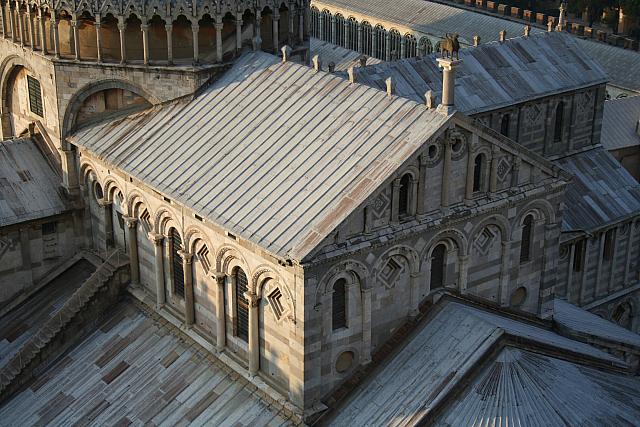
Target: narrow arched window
557, 132
525, 242
242, 304
176, 262
339, 305
504, 125
404, 195
477, 172
98, 191
437, 266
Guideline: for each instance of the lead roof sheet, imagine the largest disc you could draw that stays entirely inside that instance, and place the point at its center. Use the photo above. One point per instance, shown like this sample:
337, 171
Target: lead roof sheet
274, 152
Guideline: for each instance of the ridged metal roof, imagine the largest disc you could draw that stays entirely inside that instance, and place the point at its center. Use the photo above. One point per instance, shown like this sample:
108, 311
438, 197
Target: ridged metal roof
601, 193
522, 388
495, 75
620, 123
276, 153
29, 188
437, 358
341, 57
430, 18
622, 65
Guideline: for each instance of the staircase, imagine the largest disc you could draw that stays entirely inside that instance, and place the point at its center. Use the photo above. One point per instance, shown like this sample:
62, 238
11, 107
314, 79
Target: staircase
55, 325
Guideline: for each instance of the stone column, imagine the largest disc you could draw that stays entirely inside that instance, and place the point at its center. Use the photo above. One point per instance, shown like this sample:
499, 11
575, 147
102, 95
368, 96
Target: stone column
70, 169
132, 242
238, 33
395, 200
301, 24
504, 273
321, 34
291, 35
414, 296
366, 326
360, 31
254, 339
585, 269
43, 37
346, 33
468, 190
629, 250
422, 184
598, 291
169, 29
3, 21
515, 172
275, 20
403, 48
332, 36
145, 42
157, 240
464, 264
221, 329
56, 35
493, 174
387, 55
189, 301
76, 41
32, 35
446, 172
614, 255
572, 252
195, 29
374, 42
20, 26
98, 25
448, 84
218, 27
107, 221
12, 22
257, 36
122, 26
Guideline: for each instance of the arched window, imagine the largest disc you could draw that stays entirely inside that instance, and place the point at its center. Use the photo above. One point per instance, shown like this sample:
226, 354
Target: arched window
396, 44
339, 305
367, 35
353, 34
478, 172
438, 259
381, 42
411, 46
609, 243
176, 262
404, 195
557, 132
425, 47
525, 242
242, 304
339, 31
578, 256
98, 191
504, 125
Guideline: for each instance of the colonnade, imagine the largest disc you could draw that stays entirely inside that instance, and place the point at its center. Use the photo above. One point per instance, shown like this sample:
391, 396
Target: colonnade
136, 37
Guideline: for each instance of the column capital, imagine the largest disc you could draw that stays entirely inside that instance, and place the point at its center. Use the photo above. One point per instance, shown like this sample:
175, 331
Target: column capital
187, 257
168, 27
195, 28
74, 23
220, 277
156, 238
252, 298
144, 27
130, 221
122, 26
104, 203
218, 26
239, 22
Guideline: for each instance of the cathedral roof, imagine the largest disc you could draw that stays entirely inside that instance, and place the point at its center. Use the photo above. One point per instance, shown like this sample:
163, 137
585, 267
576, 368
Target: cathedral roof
454, 344
274, 152
601, 193
29, 187
620, 123
495, 75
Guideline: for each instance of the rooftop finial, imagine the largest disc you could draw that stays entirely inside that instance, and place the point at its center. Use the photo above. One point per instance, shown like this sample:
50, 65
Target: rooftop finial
476, 41
332, 67
286, 53
389, 83
317, 66
352, 75
562, 17
503, 35
527, 30
430, 99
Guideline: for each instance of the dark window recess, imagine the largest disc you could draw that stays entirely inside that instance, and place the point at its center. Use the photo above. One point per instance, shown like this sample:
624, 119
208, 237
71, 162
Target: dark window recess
525, 243
477, 172
437, 266
504, 125
403, 199
557, 132
339, 305
48, 228
242, 305
178, 272
577, 256
35, 96
607, 254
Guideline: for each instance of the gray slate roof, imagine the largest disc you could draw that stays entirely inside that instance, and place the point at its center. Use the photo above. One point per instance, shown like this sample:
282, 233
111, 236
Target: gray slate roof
431, 18
29, 188
582, 322
341, 57
495, 75
522, 388
602, 191
436, 359
620, 122
622, 65
276, 153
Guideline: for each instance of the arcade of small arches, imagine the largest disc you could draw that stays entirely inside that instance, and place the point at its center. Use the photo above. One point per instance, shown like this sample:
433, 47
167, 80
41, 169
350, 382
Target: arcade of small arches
364, 37
178, 34
185, 260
